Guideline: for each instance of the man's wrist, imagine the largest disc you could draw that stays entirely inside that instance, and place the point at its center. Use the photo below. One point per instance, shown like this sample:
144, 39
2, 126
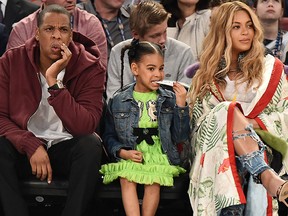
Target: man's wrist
58, 85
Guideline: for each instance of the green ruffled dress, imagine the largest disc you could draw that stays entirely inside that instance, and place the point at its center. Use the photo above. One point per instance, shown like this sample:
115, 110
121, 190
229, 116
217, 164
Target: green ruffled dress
155, 167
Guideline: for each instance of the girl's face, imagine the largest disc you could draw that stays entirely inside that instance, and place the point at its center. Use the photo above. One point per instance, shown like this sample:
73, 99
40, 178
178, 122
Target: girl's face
242, 33
147, 72
269, 10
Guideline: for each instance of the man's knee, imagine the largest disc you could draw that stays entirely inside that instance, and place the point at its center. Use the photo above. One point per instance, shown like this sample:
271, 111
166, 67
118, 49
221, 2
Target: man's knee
90, 145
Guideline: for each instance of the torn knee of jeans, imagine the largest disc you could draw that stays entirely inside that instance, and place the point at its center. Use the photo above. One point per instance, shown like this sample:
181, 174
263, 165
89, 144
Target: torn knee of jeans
248, 132
241, 134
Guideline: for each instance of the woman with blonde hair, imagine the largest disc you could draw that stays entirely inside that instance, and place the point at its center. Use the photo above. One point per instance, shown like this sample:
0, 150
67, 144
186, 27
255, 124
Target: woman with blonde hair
237, 91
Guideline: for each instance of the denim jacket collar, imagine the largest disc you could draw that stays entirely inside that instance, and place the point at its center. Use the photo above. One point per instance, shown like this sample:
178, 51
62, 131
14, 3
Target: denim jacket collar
128, 92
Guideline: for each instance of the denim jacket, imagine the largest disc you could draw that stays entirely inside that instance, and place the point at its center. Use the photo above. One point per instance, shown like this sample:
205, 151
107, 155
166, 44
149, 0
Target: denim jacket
123, 115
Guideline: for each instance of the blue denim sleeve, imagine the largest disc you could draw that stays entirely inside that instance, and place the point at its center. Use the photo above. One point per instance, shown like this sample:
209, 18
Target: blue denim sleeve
181, 126
110, 137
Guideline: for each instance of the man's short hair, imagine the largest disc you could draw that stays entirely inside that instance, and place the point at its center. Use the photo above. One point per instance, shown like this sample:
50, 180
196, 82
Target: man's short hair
54, 8
145, 15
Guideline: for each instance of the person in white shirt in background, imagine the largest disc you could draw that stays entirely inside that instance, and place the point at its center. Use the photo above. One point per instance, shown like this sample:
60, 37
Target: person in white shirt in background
189, 22
269, 13
114, 17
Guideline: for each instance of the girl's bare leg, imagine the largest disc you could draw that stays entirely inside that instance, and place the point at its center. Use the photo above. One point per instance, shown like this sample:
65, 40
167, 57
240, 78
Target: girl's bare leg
130, 197
151, 199
243, 146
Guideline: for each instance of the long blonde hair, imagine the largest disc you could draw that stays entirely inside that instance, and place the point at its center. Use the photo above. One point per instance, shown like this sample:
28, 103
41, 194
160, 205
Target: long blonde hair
218, 44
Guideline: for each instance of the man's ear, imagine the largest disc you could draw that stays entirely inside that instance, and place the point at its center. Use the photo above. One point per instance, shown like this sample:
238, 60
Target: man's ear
37, 34
134, 68
135, 35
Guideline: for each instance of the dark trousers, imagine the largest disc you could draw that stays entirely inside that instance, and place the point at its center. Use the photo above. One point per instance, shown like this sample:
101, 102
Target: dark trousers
78, 160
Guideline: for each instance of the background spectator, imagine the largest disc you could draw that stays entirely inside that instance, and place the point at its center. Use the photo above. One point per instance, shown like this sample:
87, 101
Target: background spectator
3, 38
114, 18
215, 4
132, 2
284, 19
189, 22
13, 11
270, 12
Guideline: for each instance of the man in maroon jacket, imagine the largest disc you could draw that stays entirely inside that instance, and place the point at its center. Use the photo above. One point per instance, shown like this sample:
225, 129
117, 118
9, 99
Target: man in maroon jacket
51, 102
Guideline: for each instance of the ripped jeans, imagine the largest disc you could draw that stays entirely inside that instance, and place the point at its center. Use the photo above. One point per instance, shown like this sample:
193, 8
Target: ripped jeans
252, 163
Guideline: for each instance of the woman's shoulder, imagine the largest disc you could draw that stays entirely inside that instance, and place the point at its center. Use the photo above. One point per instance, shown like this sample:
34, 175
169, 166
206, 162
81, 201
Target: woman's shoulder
204, 14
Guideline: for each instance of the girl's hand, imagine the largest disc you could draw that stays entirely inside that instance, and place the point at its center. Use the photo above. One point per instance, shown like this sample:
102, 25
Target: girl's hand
133, 155
180, 93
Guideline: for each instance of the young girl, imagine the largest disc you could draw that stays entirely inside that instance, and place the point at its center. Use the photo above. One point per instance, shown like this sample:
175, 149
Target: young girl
144, 123
237, 91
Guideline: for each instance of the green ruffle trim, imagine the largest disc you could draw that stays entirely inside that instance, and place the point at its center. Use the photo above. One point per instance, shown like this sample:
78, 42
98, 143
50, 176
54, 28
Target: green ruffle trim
141, 173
